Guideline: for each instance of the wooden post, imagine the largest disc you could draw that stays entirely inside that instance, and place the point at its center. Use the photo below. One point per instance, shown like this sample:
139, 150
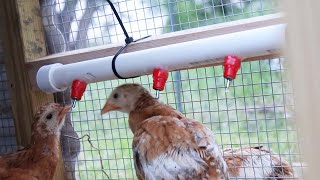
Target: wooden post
23, 37
303, 58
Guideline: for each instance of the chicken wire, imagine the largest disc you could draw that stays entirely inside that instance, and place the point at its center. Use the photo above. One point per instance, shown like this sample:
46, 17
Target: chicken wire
7, 130
258, 110
76, 24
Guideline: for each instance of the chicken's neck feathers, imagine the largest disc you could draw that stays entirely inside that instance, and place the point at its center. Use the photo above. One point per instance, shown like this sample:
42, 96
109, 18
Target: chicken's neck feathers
48, 146
146, 107
145, 100
44, 136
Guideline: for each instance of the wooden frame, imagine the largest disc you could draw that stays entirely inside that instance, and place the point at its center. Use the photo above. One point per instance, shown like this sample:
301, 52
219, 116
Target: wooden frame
157, 41
303, 54
23, 37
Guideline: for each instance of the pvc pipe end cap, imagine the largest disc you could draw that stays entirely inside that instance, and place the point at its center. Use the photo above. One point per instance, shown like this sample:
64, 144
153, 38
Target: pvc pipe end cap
45, 80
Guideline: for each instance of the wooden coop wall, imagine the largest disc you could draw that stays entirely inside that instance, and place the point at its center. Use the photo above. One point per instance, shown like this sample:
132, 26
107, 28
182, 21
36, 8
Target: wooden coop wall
22, 34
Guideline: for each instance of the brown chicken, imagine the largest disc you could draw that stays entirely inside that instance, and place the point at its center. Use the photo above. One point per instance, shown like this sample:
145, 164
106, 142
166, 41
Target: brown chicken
166, 144
37, 161
256, 162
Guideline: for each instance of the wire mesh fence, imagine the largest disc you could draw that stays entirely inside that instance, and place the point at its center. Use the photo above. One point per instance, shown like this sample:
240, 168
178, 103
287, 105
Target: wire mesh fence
7, 130
258, 110
76, 24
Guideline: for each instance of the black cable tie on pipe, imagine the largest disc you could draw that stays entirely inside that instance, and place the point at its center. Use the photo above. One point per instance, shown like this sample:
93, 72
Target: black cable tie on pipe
113, 63
128, 40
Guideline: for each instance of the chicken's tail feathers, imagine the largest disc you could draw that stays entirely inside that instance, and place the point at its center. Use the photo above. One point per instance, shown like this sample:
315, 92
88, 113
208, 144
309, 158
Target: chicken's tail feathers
218, 167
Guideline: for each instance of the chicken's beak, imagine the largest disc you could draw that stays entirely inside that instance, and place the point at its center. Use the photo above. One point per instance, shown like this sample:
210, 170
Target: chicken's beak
64, 110
109, 107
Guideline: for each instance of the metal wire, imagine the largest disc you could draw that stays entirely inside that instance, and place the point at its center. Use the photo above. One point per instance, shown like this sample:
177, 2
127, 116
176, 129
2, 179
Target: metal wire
89, 141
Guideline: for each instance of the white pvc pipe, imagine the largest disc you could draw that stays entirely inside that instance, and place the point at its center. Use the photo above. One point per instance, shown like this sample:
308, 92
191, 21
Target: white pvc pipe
262, 41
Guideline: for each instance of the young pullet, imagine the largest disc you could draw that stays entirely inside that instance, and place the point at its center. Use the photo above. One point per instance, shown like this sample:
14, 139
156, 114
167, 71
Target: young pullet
256, 162
166, 144
37, 161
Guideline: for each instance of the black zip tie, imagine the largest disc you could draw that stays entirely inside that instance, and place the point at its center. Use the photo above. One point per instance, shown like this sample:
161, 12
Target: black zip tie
128, 40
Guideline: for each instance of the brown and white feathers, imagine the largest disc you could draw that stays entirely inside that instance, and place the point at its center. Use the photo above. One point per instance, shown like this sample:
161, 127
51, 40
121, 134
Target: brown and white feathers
40, 158
166, 144
256, 162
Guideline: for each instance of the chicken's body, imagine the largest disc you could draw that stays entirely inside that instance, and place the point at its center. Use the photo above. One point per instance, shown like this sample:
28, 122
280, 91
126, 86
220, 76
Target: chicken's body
256, 162
38, 161
166, 144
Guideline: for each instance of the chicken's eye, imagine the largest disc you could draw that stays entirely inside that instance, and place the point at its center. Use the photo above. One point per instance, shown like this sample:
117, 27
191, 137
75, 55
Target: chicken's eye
49, 116
115, 96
